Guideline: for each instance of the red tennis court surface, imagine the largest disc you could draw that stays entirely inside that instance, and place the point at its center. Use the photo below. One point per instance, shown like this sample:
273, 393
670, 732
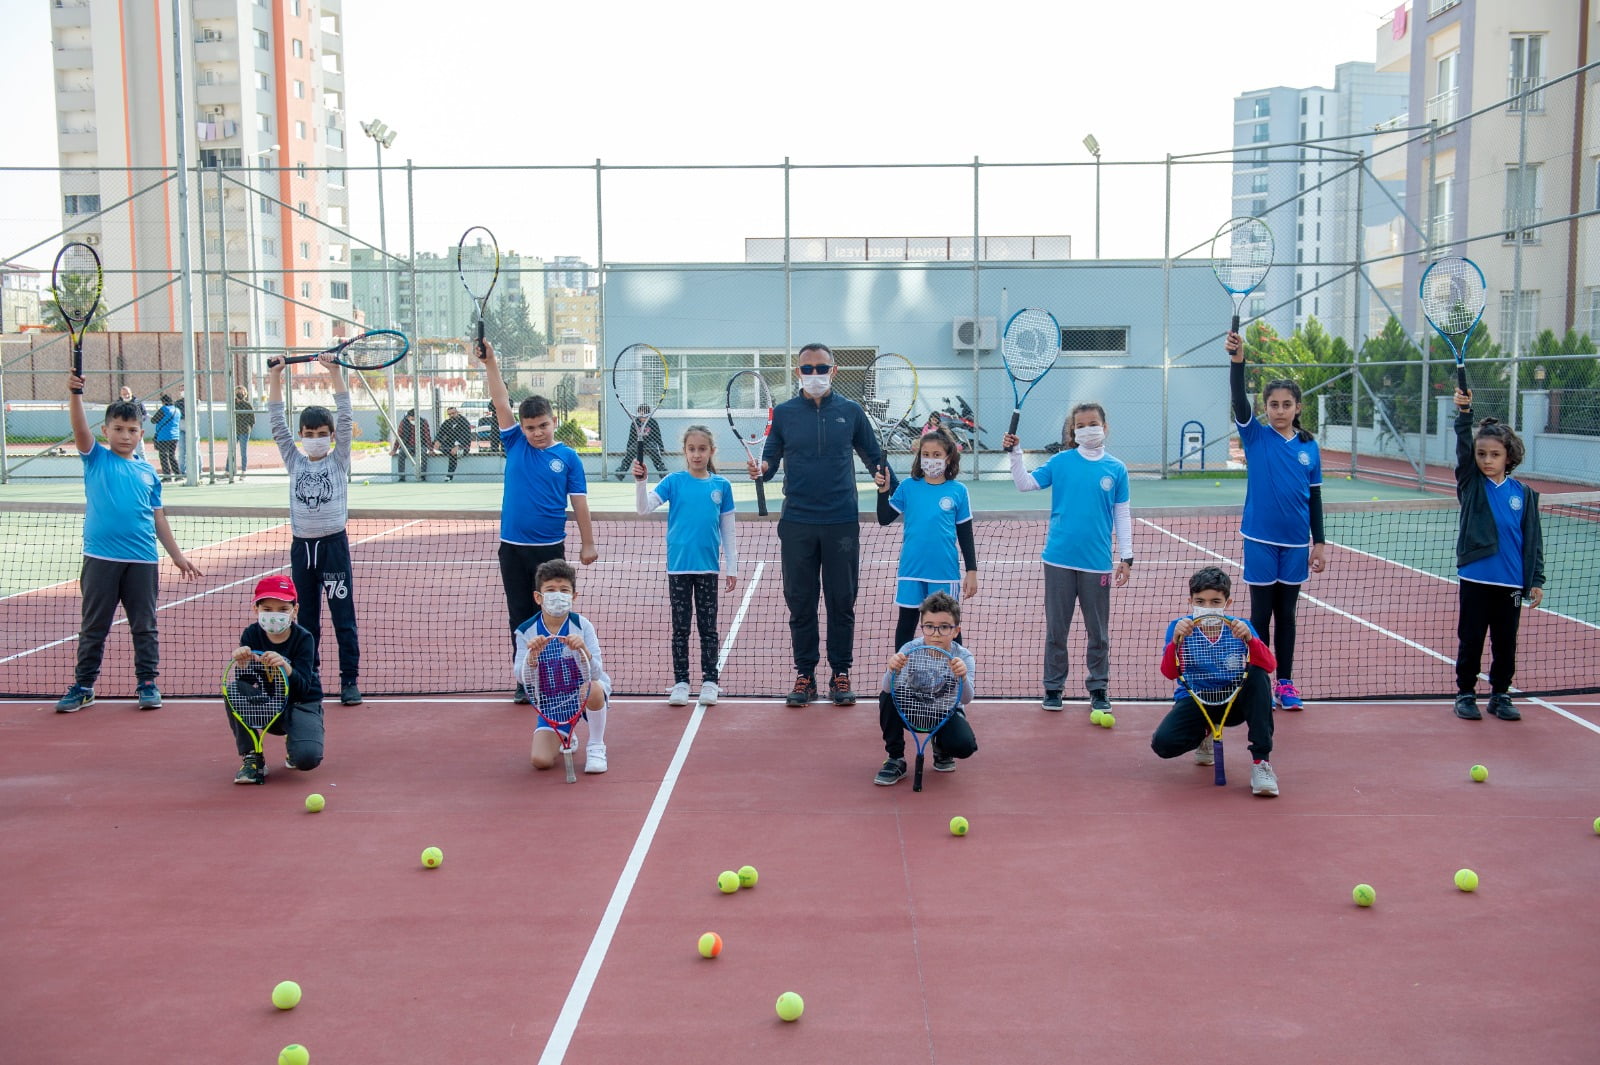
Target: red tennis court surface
1106, 906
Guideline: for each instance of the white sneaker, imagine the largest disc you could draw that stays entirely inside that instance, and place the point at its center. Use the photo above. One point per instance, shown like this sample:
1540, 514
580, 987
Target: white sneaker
679, 696
594, 758
1263, 781
1202, 753
709, 692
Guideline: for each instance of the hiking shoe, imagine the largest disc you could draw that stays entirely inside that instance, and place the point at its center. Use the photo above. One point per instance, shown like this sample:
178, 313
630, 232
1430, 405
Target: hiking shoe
76, 699
1098, 701
1203, 754
710, 693
1467, 707
1263, 781
839, 690
805, 690
594, 758
349, 694
893, 770
1500, 706
679, 696
253, 771
1286, 696
149, 696
1052, 699
520, 696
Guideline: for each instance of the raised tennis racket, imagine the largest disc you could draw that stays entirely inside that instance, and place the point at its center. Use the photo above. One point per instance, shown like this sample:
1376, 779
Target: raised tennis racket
749, 406
1241, 255
1453, 297
1029, 346
478, 263
1212, 662
76, 283
557, 680
256, 695
369, 351
891, 394
925, 693
639, 379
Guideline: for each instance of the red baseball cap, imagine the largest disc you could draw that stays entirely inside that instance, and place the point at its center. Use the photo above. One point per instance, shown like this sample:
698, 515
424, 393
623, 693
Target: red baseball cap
275, 587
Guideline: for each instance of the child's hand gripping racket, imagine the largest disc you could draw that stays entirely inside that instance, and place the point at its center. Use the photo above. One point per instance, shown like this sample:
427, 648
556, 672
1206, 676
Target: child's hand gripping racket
1213, 656
749, 409
557, 677
257, 693
926, 691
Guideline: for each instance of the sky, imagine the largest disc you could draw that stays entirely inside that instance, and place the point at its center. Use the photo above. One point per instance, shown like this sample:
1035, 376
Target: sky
507, 82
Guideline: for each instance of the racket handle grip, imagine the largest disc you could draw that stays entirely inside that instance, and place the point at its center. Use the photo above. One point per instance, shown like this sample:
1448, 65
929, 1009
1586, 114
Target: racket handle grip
1461, 378
483, 354
1221, 775
77, 368
1234, 328
761, 497
1016, 416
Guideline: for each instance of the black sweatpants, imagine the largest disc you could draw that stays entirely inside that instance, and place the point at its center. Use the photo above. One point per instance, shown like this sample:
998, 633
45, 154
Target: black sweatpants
321, 566
167, 453
825, 558
954, 739
518, 564
301, 727
701, 588
1185, 726
1493, 610
103, 584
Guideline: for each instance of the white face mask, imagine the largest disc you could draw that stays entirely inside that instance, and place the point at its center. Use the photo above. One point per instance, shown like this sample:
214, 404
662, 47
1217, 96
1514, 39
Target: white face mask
1090, 436
557, 604
274, 621
933, 467
816, 384
316, 447
1206, 612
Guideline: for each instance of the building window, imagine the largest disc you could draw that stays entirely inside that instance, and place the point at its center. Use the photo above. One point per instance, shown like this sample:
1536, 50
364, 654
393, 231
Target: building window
339, 290
274, 328
80, 204
262, 42
1527, 71
266, 205
294, 7
262, 84
336, 178
1594, 313
299, 131
1258, 183
1302, 105
1523, 200
263, 122
1259, 134
305, 329
220, 157
1262, 107
1517, 322
304, 208
1258, 306
1258, 208
305, 249
269, 245
297, 49
305, 290
269, 285
299, 89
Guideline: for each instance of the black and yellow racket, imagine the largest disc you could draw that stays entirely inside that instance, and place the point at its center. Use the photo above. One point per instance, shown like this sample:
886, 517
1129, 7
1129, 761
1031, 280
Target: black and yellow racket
257, 696
76, 283
639, 379
1213, 661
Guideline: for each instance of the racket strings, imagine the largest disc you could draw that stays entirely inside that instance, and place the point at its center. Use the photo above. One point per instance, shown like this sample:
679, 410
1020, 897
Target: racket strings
1453, 295
478, 262
639, 378
1031, 343
558, 682
892, 389
925, 690
77, 277
749, 404
375, 350
256, 694
1241, 254
1213, 661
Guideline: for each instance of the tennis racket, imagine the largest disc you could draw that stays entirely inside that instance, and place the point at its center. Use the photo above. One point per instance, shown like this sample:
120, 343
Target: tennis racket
369, 351
1029, 346
1453, 297
892, 393
1241, 255
639, 378
925, 693
257, 695
1212, 663
478, 263
557, 680
749, 406
76, 283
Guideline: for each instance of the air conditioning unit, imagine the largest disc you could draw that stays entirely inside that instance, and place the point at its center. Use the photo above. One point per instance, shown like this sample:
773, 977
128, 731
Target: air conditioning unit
969, 333
213, 35
91, 238
216, 110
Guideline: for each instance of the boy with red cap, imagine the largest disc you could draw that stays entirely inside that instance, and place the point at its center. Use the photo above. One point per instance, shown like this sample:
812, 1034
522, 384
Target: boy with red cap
274, 639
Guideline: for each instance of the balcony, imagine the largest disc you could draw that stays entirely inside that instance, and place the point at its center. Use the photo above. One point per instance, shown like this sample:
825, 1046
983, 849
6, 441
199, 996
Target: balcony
69, 13
1442, 108
209, 94
1437, 7
1527, 93
1441, 230
74, 59
79, 140
212, 50
77, 100
215, 9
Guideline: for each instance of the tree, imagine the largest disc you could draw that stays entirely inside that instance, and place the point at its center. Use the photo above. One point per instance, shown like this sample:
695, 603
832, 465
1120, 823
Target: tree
1398, 388
510, 329
566, 397
1310, 357
57, 322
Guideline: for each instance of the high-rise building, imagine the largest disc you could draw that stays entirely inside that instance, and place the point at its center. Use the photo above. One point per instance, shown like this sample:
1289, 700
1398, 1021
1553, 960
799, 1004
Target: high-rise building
569, 271
263, 85
574, 315
440, 305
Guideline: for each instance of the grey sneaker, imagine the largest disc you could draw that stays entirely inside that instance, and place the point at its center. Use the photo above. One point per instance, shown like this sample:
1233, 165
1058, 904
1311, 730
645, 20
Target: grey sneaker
76, 699
894, 769
520, 696
1098, 700
149, 696
349, 694
805, 690
1052, 699
710, 693
1467, 707
679, 696
1203, 754
1263, 781
943, 763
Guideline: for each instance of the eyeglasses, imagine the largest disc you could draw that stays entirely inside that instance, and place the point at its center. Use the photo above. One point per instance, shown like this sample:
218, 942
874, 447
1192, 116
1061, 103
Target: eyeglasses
812, 369
938, 630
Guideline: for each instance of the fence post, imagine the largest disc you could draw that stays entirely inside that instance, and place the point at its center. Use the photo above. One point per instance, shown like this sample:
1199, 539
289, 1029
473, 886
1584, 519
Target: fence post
1166, 318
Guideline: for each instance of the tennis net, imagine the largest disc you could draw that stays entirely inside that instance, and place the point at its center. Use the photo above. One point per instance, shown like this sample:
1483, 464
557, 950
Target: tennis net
1379, 623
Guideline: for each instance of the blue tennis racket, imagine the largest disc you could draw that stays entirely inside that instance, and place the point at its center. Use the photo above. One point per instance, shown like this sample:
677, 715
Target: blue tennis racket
1029, 346
1241, 255
925, 692
1453, 295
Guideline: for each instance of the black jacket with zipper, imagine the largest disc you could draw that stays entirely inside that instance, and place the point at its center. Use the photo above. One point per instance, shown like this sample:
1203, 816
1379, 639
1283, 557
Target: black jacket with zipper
814, 442
1478, 538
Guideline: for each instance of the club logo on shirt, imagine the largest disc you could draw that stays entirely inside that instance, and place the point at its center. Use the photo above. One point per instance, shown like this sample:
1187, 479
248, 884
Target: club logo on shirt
1233, 663
1515, 502
716, 496
1106, 483
556, 465
1305, 458
946, 503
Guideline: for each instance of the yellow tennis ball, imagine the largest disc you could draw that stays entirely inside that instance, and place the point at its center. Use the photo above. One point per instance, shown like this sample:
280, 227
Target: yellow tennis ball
1219, 484
790, 1006
1097, 717
431, 857
315, 803
1597, 826
710, 945
294, 1054
1364, 895
958, 826
1466, 880
748, 876
1480, 773
728, 881
286, 996
1107, 719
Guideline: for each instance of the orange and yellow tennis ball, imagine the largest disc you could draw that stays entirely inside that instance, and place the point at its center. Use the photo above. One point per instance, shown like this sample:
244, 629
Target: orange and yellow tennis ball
727, 881
431, 857
710, 945
790, 1006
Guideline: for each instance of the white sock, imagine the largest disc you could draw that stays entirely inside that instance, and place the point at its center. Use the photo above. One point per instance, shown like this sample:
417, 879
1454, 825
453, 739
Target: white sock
597, 727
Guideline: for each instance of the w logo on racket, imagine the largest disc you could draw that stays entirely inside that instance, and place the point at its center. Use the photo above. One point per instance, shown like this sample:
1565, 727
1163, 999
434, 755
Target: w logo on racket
559, 674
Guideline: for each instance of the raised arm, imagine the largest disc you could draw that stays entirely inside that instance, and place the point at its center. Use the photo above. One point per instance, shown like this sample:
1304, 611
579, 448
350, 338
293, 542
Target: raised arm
499, 397
81, 436
1242, 411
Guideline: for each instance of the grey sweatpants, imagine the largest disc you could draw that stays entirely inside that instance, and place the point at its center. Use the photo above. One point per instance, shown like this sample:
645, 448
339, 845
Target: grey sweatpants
1091, 593
103, 584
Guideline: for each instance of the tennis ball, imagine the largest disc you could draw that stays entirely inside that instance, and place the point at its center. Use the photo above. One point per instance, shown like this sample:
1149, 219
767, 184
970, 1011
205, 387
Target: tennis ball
1374, 499
1597, 826
728, 881
1219, 484
432, 857
958, 826
1097, 717
1466, 880
294, 1054
710, 945
790, 1006
1480, 773
315, 803
1107, 719
1364, 895
286, 996
748, 876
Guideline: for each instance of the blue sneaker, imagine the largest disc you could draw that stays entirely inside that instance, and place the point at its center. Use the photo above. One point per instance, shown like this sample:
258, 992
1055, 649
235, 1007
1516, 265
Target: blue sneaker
76, 699
149, 696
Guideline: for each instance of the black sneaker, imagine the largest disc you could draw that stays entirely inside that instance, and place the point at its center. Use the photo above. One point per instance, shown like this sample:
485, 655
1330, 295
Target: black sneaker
1098, 700
804, 690
520, 696
349, 694
1500, 706
253, 771
1467, 707
839, 690
1052, 699
943, 763
893, 771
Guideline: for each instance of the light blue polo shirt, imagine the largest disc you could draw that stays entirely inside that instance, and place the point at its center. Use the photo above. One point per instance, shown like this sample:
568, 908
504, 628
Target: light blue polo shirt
694, 519
119, 523
930, 514
1084, 494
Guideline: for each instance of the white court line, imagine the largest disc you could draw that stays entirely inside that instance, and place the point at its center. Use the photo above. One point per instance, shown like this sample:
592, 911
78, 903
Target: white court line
555, 1049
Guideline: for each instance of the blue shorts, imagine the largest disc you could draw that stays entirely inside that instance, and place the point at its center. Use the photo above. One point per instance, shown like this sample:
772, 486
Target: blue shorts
910, 594
1274, 564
